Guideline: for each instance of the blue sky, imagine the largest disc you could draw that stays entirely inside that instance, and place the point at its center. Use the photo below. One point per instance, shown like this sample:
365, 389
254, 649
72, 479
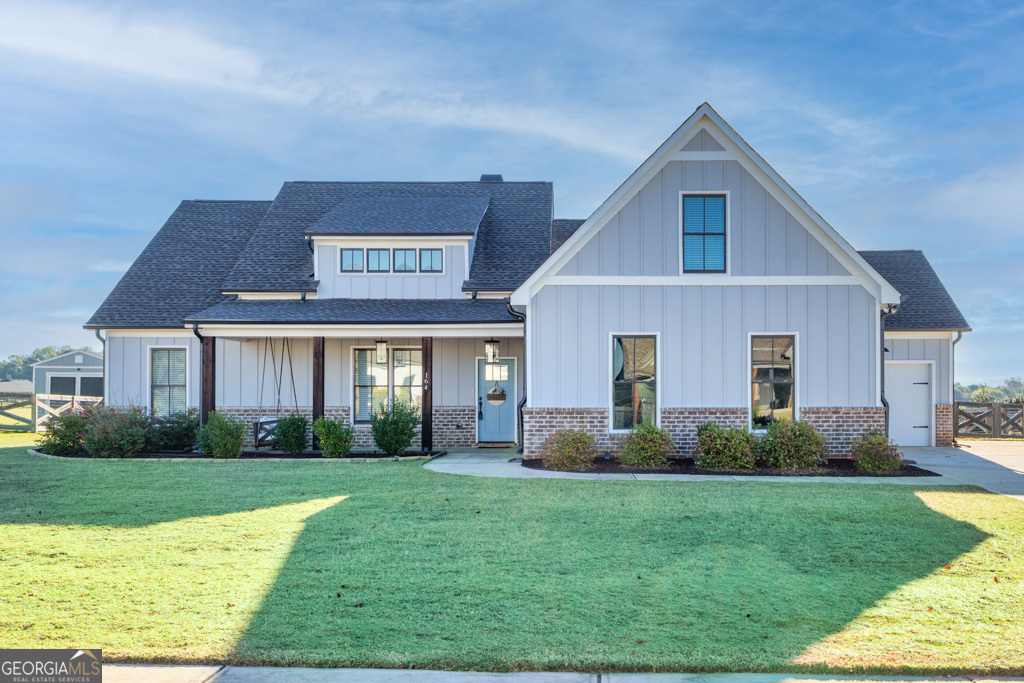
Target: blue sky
901, 123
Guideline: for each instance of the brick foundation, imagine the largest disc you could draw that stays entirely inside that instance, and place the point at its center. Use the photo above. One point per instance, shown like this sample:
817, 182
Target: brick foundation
842, 425
454, 426
839, 425
539, 423
944, 425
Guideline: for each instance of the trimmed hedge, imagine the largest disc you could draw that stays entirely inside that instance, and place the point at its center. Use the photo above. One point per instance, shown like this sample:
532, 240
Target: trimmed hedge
875, 452
394, 427
569, 449
291, 435
647, 446
335, 437
722, 448
789, 445
222, 437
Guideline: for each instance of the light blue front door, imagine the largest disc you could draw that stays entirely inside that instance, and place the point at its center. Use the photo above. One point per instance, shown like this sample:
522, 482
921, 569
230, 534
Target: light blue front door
496, 400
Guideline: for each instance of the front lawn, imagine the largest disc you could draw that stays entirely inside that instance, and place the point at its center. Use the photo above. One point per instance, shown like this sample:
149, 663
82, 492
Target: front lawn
390, 565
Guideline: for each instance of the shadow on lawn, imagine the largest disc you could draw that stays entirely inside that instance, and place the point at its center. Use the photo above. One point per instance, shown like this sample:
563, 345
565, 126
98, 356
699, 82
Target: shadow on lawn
694, 577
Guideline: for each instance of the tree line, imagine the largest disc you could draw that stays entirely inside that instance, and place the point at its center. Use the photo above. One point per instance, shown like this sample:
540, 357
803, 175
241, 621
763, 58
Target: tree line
1010, 391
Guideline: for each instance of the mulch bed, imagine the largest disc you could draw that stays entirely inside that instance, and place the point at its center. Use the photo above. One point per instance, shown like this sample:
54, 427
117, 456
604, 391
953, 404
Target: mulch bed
834, 467
266, 455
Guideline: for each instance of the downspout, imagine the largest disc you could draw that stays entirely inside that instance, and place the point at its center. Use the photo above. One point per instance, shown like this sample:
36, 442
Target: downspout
522, 402
891, 309
103, 348
952, 380
195, 331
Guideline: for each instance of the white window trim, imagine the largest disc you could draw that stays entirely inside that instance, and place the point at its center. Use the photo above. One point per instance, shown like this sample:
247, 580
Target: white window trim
391, 377
728, 230
750, 375
932, 378
149, 374
611, 377
350, 272
416, 249
515, 392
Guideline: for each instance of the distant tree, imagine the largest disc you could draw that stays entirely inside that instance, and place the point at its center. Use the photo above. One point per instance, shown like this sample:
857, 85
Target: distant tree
986, 394
1013, 386
20, 367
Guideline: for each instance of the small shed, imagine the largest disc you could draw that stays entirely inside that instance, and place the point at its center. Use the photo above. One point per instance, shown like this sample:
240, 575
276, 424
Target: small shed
75, 373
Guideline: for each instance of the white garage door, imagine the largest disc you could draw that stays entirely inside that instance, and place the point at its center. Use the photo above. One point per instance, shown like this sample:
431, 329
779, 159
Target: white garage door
909, 392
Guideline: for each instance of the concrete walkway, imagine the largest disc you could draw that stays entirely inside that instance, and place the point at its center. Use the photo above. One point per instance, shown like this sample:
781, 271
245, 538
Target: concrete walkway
497, 463
157, 673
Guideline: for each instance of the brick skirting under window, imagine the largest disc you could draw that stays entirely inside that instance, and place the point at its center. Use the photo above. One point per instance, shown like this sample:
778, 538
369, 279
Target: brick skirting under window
839, 425
454, 426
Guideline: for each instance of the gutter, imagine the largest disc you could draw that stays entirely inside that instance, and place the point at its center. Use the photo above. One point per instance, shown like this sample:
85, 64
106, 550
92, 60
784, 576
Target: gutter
522, 402
891, 309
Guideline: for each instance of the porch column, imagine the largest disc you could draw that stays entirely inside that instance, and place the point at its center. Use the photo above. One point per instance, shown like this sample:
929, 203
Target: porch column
209, 377
427, 433
318, 381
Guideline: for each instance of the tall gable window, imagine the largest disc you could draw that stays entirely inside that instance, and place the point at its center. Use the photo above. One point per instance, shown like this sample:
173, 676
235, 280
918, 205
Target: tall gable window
405, 260
431, 260
634, 382
378, 260
773, 379
351, 261
167, 381
703, 233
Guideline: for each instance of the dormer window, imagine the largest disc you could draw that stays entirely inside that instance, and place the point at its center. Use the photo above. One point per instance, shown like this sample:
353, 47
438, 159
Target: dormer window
351, 261
378, 260
405, 260
431, 260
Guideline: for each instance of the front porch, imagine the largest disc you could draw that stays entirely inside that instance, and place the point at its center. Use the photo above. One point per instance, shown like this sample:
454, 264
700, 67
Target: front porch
464, 399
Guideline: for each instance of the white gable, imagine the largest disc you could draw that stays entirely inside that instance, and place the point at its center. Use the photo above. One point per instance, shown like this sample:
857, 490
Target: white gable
773, 232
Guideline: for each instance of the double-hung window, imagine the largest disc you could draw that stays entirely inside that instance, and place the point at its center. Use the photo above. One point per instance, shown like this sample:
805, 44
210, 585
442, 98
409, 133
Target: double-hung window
350, 261
431, 260
405, 260
634, 382
704, 233
400, 378
773, 379
167, 381
378, 260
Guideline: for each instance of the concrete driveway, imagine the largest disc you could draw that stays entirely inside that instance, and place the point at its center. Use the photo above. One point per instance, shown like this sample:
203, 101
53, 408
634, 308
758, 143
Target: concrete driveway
994, 465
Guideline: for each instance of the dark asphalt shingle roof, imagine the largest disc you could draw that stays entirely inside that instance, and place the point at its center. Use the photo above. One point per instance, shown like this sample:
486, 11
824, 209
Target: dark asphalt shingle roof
926, 304
183, 266
357, 311
512, 239
562, 229
403, 216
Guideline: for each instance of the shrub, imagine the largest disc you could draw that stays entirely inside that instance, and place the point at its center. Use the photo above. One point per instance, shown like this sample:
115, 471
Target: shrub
223, 435
569, 449
116, 432
335, 437
394, 427
875, 452
176, 432
647, 446
721, 448
789, 445
63, 435
291, 434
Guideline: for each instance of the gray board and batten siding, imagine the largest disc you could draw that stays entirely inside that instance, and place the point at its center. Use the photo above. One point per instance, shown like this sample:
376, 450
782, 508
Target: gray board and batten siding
643, 238
937, 350
704, 360
128, 367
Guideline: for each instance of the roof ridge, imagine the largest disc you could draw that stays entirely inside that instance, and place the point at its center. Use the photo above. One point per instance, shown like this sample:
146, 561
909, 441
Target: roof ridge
417, 182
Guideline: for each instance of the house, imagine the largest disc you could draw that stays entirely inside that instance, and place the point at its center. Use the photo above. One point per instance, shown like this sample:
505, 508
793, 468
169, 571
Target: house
703, 288
75, 373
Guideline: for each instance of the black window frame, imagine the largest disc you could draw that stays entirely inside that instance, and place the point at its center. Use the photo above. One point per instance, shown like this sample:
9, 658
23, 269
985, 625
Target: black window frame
762, 421
705, 234
378, 270
653, 380
431, 249
341, 260
394, 261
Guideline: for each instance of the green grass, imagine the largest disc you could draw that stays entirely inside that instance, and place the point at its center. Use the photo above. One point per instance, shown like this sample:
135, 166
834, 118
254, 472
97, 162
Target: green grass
390, 565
